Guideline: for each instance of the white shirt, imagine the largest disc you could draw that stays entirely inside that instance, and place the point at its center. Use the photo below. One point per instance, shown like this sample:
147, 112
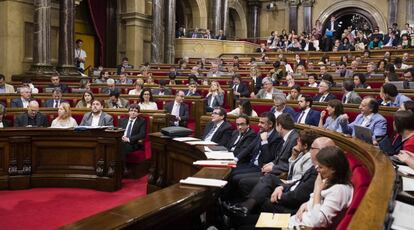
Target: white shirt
95, 119
367, 119
134, 92
1, 124
236, 112
277, 113
80, 53
303, 118
323, 97
150, 106
314, 85
268, 95
347, 97
256, 160
176, 112
129, 123
25, 103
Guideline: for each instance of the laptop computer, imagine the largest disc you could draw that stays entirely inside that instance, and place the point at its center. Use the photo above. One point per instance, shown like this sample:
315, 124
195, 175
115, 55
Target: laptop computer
363, 133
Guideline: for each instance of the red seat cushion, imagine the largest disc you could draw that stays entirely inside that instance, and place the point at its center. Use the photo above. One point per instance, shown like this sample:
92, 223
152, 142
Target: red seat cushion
353, 161
261, 108
139, 156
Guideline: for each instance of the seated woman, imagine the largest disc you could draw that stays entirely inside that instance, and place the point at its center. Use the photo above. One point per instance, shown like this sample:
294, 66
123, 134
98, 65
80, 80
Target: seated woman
3, 122
294, 94
245, 107
359, 81
139, 84
290, 81
312, 78
64, 119
86, 101
147, 101
335, 110
332, 193
215, 96
404, 126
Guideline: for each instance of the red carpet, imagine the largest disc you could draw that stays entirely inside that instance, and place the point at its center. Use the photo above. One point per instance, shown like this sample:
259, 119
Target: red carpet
50, 208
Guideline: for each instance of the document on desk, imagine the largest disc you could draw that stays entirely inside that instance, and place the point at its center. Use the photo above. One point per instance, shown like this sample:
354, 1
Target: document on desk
219, 155
408, 184
273, 220
403, 215
201, 143
204, 182
185, 139
216, 163
405, 170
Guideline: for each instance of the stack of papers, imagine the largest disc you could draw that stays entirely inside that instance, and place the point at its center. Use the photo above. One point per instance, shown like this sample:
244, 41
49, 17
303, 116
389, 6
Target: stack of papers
204, 182
219, 155
216, 163
405, 170
408, 184
273, 220
185, 139
403, 215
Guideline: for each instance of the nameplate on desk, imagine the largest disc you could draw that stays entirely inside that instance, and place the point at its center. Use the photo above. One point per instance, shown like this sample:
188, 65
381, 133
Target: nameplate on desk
216, 163
204, 182
273, 220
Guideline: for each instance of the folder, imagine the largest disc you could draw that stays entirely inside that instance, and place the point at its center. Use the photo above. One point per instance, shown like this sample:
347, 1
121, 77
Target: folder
273, 220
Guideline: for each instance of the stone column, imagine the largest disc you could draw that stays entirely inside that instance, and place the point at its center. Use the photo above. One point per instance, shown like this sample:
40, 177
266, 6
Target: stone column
226, 17
392, 12
216, 16
293, 15
307, 15
41, 39
410, 12
170, 33
157, 31
254, 11
66, 39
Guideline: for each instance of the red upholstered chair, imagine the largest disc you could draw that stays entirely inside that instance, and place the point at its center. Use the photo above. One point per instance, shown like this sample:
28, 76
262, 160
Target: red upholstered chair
78, 117
139, 156
261, 108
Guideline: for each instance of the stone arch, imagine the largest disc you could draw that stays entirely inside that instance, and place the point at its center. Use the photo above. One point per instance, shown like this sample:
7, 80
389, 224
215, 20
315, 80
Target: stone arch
376, 14
239, 18
202, 14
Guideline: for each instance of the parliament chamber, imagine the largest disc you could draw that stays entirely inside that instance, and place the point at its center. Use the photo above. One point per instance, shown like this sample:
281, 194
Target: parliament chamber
77, 78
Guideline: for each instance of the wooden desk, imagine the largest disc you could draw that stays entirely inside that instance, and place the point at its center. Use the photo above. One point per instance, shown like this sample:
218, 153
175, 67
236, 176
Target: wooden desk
46, 157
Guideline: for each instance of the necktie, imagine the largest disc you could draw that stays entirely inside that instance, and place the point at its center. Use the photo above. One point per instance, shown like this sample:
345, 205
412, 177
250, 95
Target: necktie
322, 98
56, 104
129, 129
210, 134
344, 100
189, 92
235, 87
301, 116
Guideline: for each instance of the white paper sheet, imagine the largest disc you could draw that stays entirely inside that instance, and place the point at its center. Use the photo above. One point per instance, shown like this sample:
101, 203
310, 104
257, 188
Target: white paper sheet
204, 182
408, 184
184, 139
219, 155
403, 214
201, 143
405, 170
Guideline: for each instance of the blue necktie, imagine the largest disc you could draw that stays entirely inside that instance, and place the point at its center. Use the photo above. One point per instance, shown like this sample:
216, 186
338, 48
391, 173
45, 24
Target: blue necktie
129, 129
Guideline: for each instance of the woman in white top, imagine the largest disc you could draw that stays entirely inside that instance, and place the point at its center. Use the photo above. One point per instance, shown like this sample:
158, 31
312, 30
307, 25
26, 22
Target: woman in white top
332, 193
139, 84
245, 107
147, 101
64, 119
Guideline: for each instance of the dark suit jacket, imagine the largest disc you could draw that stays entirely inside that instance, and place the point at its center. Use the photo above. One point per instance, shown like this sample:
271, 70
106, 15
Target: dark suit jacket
222, 37
6, 123
184, 112
311, 119
310, 46
258, 84
287, 109
329, 97
167, 91
23, 119
138, 132
259, 50
243, 143
16, 103
281, 161
63, 87
222, 134
191, 94
50, 103
242, 89
267, 151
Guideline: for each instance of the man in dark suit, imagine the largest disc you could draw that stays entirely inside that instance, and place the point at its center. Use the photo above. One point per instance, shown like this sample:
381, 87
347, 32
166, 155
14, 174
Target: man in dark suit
31, 118
57, 99
162, 90
221, 35
350, 96
272, 196
135, 131
218, 130
178, 109
97, 117
307, 115
25, 98
242, 137
192, 89
262, 48
307, 45
280, 106
239, 89
324, 92
123, 66
55, 83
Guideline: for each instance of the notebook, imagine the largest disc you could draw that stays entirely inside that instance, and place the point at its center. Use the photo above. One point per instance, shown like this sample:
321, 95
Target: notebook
363, 133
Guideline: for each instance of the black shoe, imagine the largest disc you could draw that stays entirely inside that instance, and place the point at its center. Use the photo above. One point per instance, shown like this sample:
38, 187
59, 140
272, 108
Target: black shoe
235, 210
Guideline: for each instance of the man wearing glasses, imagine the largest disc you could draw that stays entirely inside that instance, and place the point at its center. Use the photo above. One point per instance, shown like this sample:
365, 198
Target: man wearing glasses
178, 109
281, 107
218, 130
324, 92
242, 137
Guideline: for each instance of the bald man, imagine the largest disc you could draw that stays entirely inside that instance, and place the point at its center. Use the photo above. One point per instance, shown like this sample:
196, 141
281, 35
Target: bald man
31, 118
273, 196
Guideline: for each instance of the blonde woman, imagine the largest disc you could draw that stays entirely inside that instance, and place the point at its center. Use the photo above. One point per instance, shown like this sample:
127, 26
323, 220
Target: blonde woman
86, 101
139, 84
215, 96
64, 119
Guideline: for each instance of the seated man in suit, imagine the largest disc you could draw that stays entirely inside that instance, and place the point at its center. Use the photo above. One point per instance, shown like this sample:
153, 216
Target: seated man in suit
268, 91
218, 130
370, 118
281, 107
307, 115
178, 109
262, 48
239, 89
55, 83
242, 137
123, 66
221, 35
324, 94
57, 99
274, 195
343, 71
350, 96
111, 87
123, 79
135, 131
97, 117
115, 102
31, 118
25, 98
162, 90
214, 71
192, 89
